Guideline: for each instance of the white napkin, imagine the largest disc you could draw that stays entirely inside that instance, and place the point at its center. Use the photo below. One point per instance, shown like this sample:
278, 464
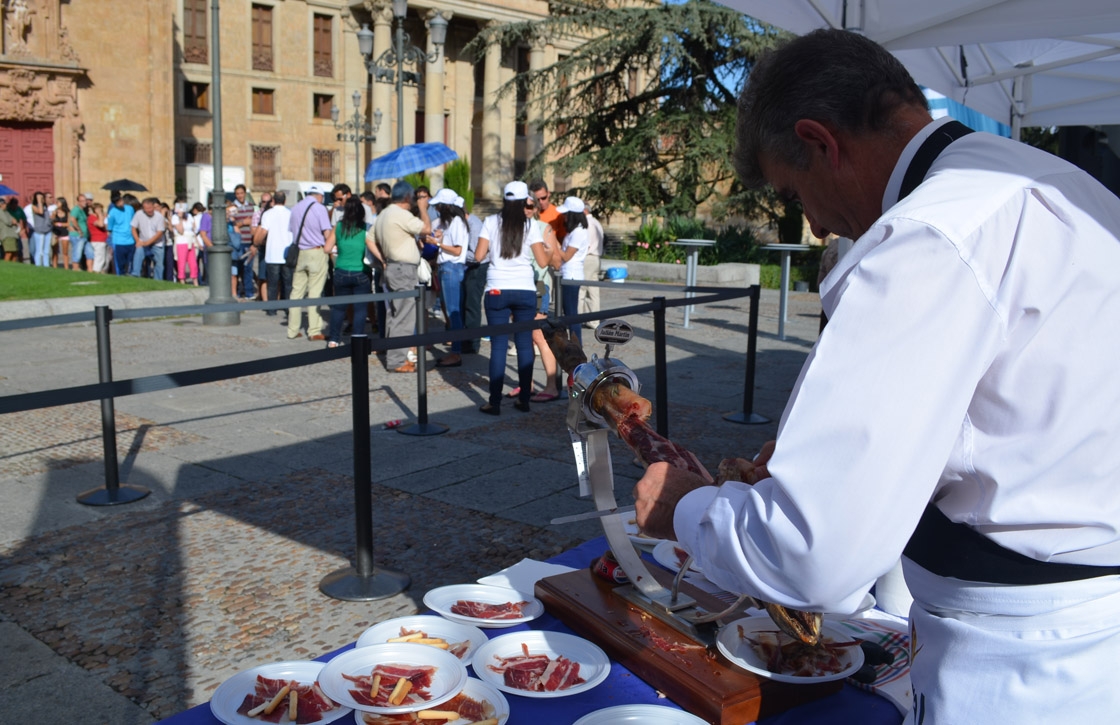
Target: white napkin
524, 575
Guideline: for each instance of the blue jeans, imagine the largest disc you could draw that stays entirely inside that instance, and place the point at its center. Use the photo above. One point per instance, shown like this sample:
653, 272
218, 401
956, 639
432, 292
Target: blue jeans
349, 283
569, 299
521, 305
123, 255
80, 249
451, 283
41, 249
279, 279
245, 270
143, 254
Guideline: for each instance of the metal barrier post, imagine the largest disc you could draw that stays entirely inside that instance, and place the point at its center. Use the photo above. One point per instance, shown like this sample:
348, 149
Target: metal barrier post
365, 582
660, 373
747, 416
422, 427
113, 493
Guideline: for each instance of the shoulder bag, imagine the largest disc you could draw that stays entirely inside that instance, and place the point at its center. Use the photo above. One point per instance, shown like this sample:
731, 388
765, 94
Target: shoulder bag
291, 255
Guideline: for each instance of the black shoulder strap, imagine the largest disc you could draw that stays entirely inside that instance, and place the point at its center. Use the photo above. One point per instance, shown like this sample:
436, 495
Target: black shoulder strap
299, 232
928, 152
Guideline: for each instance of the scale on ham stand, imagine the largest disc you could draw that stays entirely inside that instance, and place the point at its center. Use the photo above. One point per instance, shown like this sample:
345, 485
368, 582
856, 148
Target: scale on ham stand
590, 434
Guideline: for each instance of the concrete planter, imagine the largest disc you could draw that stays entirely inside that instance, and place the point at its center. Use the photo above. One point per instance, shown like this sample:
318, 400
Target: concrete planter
730, 274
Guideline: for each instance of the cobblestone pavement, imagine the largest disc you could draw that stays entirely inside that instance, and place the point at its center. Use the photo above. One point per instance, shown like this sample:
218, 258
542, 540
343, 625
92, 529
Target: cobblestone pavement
159, 601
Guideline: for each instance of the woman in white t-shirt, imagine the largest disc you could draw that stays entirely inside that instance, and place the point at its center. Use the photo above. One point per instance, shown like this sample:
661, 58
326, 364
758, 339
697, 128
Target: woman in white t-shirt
572, 253
184, 229
510, 241
451, 237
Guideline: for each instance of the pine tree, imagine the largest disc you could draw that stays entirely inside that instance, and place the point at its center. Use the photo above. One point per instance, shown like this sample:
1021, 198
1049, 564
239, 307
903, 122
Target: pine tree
662, 148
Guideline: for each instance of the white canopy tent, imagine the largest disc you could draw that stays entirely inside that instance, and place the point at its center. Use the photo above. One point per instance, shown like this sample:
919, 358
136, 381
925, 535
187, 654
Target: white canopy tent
1022, 62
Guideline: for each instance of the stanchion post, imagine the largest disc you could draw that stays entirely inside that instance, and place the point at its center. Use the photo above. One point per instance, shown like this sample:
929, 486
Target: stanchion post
660, 371
747, 415
364, 582
422, 427
113, 493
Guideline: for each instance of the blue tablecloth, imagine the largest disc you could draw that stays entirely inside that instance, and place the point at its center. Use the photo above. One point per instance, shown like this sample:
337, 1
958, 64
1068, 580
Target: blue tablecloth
849, 705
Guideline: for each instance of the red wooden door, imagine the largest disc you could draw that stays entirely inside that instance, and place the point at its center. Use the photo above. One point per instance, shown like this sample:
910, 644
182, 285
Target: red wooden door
27, 158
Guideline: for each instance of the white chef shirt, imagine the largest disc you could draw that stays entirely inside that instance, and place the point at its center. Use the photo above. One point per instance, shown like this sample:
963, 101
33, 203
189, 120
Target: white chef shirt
969, 359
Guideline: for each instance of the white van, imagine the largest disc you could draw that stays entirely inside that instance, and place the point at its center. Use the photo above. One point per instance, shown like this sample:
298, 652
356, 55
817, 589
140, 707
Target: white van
294, 191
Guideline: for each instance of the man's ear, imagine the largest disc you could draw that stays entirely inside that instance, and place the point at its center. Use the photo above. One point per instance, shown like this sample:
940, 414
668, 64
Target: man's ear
819, 139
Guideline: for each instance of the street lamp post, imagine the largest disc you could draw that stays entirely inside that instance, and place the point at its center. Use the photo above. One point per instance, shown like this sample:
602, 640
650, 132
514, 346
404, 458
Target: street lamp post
218, 258
403, 51
357, 130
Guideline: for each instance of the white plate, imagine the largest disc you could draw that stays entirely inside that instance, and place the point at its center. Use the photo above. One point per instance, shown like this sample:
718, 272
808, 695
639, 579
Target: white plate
441, 600
636, 537
231, 693
665, 555
594, 665
740, 652
474, 689
433, 626
450, 676
640, 715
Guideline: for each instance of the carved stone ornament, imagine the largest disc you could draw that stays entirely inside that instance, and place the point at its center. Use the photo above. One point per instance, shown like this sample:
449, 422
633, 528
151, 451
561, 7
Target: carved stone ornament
18, 20
29, 96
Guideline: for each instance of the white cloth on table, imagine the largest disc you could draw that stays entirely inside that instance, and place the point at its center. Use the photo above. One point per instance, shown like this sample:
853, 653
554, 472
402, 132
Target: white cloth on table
967, 361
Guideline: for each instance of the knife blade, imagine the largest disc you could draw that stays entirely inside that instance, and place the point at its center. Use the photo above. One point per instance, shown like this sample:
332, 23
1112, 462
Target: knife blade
593, 515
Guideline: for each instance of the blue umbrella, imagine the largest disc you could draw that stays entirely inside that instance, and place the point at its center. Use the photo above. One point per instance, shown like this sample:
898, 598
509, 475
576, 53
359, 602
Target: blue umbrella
7, 191
409, 159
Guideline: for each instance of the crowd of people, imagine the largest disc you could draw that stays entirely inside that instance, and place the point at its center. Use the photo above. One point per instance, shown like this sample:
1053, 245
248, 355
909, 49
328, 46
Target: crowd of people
398, 237
390, 239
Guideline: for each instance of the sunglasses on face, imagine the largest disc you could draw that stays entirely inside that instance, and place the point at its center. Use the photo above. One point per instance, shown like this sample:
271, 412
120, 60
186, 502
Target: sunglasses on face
529, 206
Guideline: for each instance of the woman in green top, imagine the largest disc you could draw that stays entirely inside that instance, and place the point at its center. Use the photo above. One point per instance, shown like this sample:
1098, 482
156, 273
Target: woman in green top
350, 276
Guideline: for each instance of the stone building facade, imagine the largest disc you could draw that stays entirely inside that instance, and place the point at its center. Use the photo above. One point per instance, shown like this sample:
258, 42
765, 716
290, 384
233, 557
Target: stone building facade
96, 90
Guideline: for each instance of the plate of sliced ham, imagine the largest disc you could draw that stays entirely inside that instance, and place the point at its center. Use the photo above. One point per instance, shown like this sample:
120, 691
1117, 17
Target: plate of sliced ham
483, 605
457, 638
393, 678
256, 688
541, 664
478, 702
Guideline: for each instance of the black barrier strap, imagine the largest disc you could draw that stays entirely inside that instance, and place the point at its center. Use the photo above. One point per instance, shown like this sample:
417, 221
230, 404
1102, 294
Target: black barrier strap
48, 321
168, 381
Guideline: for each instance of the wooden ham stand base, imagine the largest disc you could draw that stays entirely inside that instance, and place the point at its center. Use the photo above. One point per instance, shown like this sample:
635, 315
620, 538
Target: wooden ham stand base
701, 683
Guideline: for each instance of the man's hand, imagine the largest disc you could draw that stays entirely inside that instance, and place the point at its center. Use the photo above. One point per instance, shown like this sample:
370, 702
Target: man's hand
656, 496
740, 469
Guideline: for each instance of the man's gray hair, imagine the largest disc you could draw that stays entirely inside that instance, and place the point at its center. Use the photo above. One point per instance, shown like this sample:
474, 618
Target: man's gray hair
835, 77
279, 198
402, 191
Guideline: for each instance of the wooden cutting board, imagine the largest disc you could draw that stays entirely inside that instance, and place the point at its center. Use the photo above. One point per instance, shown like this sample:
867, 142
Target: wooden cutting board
701, 682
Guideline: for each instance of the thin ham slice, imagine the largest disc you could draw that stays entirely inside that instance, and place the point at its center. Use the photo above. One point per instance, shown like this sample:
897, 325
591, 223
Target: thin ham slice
310, 705
482, 610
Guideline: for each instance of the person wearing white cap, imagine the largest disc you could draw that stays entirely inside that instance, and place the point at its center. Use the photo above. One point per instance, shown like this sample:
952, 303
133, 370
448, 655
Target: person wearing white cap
572, 252
450, 235
510, 242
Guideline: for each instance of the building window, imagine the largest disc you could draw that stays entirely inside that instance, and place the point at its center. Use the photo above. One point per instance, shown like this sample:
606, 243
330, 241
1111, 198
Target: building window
195, 47
263, 101
324, 165
266, 167
322, 103
196, 152
262, 37
196, 96
322, 43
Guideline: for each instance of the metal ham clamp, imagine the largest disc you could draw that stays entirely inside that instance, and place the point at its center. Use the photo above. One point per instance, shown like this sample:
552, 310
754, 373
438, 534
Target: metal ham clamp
589, 431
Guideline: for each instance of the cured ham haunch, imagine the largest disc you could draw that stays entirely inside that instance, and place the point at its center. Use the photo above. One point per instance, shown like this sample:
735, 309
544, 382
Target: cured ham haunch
615, 401
311, 702
482, 610
650, 447
387, 676
537, 673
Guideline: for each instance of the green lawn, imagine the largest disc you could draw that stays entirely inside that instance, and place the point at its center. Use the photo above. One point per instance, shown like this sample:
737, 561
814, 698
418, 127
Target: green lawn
27, 282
